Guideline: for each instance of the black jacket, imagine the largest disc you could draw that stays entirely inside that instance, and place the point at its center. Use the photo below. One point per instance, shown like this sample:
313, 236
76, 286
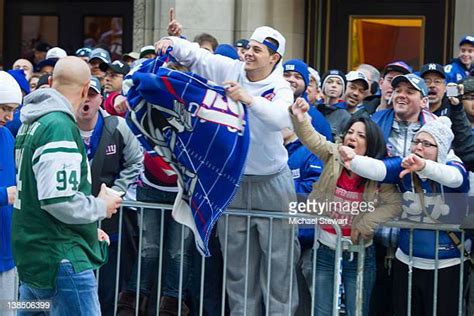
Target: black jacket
463, 143
117, 161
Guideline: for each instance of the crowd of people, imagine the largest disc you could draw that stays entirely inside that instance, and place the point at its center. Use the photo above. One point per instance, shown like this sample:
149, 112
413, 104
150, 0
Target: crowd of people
397, 139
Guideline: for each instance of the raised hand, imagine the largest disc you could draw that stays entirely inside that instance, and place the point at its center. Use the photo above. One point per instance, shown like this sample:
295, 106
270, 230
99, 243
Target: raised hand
455, 100
174, 27
299, 109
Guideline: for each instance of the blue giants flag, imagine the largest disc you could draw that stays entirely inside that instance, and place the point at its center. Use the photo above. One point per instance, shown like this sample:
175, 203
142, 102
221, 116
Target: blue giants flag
202, 135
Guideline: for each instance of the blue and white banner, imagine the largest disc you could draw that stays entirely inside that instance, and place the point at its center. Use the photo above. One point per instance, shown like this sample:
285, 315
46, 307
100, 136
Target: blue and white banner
190, 123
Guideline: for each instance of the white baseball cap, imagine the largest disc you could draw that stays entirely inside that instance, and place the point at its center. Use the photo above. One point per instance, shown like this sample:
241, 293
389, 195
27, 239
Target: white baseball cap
315, 74
56, 52
263, 32
358, 75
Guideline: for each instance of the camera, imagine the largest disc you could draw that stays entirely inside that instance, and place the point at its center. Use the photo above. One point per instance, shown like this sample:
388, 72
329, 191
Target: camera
452, 90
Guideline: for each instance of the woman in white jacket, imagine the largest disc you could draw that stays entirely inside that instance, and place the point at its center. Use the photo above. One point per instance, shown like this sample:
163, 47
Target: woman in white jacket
434, 191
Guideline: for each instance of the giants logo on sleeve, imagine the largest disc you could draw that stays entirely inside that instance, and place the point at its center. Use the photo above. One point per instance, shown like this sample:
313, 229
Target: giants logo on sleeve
269, 94
111, 150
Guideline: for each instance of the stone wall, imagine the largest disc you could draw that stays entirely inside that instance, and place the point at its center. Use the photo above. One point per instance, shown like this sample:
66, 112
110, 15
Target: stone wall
227, 20
463, 22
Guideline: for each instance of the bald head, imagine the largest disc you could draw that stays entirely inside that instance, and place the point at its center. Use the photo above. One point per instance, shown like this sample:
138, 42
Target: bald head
70, 71
71, 77
24, 64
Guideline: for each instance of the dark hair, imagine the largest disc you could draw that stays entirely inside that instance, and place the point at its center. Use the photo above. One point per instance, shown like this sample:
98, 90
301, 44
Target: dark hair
272, 51
205, 37
376, 146
274, 42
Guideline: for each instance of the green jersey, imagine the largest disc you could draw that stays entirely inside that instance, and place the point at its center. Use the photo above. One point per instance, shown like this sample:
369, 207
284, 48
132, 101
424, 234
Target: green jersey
55, 217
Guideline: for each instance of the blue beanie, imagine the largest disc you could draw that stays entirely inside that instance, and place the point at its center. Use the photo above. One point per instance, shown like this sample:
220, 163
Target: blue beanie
300, 67
20, 77
227, 50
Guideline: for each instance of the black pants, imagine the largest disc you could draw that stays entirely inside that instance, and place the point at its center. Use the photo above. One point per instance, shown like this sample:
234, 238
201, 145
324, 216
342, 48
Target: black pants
422, 290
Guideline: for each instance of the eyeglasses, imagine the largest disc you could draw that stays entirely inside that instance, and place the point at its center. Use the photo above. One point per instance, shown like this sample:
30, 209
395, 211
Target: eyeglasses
424, 143
436, 81
468, 97
112, 75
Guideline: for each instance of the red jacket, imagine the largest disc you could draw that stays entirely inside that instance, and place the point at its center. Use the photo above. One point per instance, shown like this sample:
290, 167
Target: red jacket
159, 172
109, 104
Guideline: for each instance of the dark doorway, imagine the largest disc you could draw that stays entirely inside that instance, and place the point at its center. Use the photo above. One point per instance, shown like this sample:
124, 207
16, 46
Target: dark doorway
67, 24
391, 27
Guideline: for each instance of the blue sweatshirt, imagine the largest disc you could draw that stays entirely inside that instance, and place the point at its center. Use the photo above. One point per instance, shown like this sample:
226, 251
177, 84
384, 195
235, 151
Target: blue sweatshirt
7, 179
306, 169
456, 71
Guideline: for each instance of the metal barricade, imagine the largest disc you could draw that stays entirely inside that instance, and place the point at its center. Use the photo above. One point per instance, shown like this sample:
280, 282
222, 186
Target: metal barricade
437, 228
248, 215
342, 245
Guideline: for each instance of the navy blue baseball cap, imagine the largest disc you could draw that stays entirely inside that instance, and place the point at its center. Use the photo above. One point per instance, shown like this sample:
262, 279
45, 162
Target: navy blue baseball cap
398, 66
432, 67
243, 43
116, 66
84, 52
468, 39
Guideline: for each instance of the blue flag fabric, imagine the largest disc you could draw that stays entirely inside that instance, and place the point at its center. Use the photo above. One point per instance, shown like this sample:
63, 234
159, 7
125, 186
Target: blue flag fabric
201, 134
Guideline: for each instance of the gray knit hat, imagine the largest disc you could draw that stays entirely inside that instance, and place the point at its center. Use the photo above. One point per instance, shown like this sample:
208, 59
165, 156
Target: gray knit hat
440, 129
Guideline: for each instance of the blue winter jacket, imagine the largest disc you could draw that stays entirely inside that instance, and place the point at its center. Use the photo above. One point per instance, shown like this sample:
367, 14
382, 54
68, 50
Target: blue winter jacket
456, 71
446, 205
304, 165
7, 179
385, 118
306, 169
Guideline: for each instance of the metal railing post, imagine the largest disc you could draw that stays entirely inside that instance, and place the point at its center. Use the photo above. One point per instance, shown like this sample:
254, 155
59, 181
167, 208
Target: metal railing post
119, 255
360, 279
435, 285
139, 265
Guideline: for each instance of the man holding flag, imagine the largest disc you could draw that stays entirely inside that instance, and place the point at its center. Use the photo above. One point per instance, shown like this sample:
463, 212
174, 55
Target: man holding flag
267, 184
